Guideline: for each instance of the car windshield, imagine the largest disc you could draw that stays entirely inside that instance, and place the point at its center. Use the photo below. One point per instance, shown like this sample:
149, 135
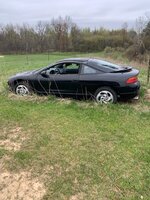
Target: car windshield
104, 65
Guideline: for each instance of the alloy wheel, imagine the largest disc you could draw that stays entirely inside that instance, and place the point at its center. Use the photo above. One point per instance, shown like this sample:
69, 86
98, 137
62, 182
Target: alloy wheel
104, 97
22, 90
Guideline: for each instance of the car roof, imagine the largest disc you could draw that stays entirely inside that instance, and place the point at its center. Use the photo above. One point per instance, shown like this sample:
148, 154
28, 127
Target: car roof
80, 60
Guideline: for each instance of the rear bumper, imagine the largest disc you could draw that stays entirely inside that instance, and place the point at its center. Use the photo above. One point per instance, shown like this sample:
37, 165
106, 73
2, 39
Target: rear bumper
129, 91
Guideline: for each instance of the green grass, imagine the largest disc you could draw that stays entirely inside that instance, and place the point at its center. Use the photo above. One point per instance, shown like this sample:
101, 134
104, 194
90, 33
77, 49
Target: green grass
78, 148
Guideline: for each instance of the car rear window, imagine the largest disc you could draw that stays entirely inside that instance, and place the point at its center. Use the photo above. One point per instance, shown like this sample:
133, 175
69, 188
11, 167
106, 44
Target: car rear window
104, 65
88, 70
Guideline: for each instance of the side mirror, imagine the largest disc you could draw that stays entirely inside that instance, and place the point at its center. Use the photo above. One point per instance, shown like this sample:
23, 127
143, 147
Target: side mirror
44, 74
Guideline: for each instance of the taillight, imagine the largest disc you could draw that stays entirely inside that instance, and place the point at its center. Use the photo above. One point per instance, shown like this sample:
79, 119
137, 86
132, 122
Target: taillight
133, 79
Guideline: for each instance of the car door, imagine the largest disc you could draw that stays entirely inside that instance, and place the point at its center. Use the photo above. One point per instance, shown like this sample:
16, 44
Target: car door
67, 81
62, 78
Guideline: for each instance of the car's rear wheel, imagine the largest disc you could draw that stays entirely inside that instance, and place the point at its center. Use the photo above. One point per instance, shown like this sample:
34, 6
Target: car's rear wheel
105, 95
22, 89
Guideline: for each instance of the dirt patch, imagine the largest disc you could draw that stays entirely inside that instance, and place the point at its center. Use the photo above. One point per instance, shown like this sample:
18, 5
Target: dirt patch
9, 145
20, 186
3, 161
141, 108
17, 186
78, 196
12, 138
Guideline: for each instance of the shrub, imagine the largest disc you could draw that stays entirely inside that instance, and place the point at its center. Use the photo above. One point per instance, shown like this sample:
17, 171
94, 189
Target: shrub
132, 52
108, 49
120, 49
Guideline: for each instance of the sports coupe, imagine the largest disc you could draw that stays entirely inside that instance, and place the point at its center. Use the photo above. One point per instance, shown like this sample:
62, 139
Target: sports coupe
103, 81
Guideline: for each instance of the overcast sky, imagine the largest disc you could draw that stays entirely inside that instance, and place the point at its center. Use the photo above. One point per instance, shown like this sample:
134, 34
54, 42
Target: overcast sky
86, 13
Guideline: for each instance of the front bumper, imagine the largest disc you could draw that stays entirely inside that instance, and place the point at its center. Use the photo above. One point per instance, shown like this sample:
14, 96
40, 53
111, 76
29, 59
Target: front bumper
11, 86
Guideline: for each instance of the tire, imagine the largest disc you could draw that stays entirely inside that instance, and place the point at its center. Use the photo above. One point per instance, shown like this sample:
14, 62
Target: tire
23, 89
105, 95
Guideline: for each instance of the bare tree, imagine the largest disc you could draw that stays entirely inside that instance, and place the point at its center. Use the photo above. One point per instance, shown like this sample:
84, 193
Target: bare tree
41, 34
61, 29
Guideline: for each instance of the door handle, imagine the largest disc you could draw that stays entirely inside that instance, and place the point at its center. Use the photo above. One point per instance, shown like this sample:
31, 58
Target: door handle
74, 80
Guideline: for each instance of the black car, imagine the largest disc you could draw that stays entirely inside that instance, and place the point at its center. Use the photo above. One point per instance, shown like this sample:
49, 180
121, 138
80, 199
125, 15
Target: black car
104, 81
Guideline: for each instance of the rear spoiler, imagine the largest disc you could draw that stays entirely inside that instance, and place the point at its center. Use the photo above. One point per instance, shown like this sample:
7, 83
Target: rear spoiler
125, 69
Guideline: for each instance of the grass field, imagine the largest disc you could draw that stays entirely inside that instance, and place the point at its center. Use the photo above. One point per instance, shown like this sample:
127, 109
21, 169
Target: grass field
70, 150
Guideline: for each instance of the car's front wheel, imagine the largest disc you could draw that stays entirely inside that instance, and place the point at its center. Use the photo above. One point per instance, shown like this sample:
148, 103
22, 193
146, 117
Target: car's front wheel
105, 95
23, 89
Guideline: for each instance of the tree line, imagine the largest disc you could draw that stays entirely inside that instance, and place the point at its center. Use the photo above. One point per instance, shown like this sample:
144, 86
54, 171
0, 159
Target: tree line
63, 35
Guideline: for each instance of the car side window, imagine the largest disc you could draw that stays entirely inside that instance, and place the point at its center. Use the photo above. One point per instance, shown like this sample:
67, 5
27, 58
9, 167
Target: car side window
64, 68
88, 70
70, 68
54, 69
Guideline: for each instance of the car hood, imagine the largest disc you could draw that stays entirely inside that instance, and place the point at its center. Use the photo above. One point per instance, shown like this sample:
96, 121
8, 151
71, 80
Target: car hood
22, 74
26, 73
